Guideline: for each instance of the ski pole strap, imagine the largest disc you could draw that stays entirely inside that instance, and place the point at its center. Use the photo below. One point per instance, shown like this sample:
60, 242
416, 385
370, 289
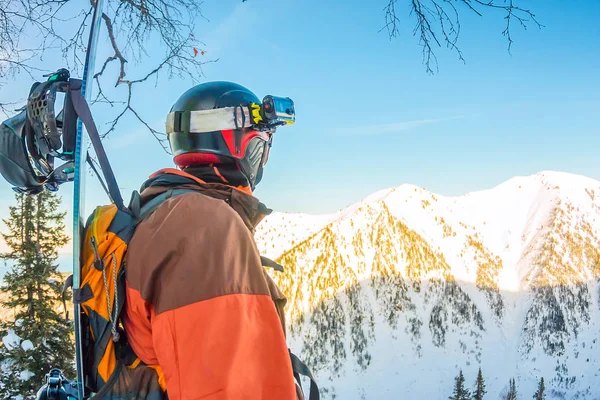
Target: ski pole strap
299, 368
83, 112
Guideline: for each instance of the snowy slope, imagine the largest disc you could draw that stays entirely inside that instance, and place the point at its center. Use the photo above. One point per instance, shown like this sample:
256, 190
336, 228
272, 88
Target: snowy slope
280, 231
390, 297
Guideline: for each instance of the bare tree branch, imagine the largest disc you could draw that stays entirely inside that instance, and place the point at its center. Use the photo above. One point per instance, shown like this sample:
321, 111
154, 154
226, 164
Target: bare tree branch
176, 62
136, 30
392, 21
440, 18
9, 107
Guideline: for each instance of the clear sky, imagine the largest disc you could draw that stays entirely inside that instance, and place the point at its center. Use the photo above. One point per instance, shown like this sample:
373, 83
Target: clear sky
369, 116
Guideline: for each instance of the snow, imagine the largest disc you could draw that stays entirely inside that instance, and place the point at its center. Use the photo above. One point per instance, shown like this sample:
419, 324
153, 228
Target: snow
11, 340
510, 221
27, 345
502, 216
26, 375
280, 231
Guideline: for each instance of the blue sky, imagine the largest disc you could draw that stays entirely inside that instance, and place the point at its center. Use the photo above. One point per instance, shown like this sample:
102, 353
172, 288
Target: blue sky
368, 115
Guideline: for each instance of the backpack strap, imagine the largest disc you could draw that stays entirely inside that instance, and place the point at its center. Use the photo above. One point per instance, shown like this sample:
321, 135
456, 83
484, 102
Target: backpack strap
153, 204
82, 109
299, 368
267, 262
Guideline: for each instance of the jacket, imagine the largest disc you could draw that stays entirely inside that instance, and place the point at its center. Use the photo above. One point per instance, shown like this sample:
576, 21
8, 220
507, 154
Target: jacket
200, 308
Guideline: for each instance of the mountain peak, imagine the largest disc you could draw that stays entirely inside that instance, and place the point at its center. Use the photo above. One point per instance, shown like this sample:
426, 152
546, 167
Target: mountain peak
407, 282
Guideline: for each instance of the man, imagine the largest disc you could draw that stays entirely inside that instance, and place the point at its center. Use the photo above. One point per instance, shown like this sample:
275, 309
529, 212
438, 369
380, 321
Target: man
200, 308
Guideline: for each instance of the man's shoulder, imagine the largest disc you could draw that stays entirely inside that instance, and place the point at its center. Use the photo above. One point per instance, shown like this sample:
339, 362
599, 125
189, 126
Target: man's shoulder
189, 210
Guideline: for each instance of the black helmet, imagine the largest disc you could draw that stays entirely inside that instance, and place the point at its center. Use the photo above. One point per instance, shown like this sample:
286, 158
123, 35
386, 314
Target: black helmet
30, 141
245, 146
17, 164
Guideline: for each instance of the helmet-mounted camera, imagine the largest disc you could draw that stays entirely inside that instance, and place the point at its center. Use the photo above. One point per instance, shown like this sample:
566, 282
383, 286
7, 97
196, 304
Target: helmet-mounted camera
277, 111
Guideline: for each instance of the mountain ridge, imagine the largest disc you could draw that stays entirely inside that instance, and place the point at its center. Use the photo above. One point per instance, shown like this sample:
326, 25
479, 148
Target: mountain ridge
426, 276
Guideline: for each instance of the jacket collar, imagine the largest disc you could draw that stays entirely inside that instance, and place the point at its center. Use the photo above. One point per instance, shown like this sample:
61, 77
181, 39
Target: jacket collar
249, 208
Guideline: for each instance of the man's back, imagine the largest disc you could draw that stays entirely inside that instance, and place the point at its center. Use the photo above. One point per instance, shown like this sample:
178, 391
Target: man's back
199, 304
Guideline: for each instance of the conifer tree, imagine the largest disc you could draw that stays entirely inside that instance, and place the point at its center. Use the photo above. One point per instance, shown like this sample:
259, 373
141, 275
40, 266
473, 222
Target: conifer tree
512, 390
479, 387
540, 394
460, 391
38, 337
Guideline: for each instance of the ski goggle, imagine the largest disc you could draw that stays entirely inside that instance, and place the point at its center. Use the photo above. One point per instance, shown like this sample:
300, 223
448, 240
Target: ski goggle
273, 112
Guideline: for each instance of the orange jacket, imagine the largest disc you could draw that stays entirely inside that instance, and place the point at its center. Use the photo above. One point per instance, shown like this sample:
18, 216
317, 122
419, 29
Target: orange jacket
200, 307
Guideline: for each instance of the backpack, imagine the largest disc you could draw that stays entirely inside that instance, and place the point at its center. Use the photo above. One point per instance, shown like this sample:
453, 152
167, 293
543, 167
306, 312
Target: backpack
111, 368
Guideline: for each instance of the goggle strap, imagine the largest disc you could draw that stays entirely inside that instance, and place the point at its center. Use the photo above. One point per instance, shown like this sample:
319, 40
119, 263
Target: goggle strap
219, 119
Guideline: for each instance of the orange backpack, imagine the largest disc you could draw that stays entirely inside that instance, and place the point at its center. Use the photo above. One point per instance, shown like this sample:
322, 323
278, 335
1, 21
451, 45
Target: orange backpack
111, 369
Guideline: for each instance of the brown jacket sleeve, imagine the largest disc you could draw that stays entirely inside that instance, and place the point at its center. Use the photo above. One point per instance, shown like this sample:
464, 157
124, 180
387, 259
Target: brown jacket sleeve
198, 304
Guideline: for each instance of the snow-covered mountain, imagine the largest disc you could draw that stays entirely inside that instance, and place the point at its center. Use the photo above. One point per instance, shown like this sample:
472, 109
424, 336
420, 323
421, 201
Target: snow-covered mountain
390, 297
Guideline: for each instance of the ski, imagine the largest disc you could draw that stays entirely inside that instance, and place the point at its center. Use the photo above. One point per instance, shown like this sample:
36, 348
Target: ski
79, 186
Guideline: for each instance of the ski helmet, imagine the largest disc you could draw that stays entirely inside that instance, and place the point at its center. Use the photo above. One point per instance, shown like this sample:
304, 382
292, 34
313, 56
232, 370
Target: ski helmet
247, 147
30, 141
